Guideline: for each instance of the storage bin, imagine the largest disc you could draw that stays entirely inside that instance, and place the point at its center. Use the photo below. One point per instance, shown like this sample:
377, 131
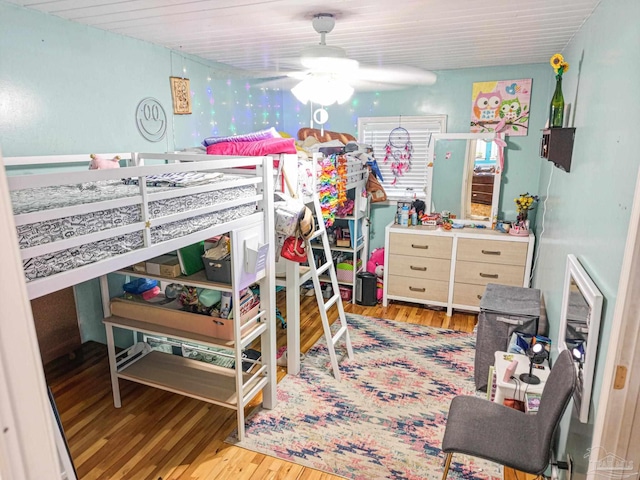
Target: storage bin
170, 316
346, 293
344, 270
218, 270
504, 309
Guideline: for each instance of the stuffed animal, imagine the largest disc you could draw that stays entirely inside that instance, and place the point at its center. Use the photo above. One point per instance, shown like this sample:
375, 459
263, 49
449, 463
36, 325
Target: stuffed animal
375, 265
98, 163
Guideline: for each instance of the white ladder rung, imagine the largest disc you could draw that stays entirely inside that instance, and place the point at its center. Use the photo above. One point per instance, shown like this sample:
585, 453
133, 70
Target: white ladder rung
331, 302
319, 232
336, 299
338, 334
325, 266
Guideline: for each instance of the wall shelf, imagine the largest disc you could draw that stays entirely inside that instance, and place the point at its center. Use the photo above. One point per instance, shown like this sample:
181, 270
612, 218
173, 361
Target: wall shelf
557, 146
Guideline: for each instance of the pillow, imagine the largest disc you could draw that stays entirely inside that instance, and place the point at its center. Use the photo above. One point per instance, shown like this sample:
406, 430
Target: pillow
253, 149
246, 137
327, 136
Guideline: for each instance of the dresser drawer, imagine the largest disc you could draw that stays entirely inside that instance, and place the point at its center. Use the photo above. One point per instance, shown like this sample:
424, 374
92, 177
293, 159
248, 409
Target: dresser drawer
419, 289
433, 246
419, 267
468, 294
479, 273
492, 251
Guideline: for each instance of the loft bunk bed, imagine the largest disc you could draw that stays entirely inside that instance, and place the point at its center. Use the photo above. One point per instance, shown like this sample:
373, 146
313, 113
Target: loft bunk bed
303, 175
74, 226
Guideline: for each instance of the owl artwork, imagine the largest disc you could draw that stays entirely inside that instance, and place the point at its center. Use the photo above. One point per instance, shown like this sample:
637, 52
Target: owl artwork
487, 105
510, 109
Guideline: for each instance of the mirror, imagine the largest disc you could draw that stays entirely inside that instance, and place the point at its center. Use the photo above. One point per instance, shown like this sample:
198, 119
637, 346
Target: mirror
463, 177
579, 330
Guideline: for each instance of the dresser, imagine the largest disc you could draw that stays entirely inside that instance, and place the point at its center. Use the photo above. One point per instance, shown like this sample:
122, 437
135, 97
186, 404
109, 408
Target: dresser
451, 268
482, 188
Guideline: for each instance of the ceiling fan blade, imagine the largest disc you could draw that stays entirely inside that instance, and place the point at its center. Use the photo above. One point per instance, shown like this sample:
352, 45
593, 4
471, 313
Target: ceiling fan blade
400, 75
284, 83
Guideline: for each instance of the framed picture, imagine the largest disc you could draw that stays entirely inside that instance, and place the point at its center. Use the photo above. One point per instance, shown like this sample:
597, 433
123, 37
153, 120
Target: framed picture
500, 101
181, 94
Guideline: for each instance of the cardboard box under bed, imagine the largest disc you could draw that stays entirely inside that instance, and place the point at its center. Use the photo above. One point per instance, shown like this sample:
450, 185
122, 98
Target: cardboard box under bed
171, 317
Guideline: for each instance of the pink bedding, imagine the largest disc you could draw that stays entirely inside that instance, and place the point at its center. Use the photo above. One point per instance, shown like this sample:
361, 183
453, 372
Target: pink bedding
267, 146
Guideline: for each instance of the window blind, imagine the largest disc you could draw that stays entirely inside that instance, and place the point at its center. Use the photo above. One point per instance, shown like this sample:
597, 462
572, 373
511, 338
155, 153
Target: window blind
375, 131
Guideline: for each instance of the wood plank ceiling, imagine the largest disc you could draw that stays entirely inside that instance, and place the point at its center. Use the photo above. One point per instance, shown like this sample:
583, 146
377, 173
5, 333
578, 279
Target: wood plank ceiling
264, 35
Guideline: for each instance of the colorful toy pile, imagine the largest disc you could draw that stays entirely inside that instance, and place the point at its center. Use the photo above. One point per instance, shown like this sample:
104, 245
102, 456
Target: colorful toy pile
328, 191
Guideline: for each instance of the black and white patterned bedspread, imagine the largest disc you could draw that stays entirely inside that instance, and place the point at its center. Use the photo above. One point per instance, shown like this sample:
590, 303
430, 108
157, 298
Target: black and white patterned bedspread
54, 230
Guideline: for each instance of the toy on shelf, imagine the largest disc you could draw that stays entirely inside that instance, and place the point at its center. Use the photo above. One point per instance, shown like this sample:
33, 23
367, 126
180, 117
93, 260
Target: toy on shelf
375, 265
99, 163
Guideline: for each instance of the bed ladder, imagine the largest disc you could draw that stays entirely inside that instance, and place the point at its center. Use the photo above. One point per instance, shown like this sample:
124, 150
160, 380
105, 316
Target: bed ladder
335, 300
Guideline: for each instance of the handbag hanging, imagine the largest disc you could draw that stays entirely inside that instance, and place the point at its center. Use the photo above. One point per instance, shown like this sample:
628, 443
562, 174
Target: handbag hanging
374, 188
294, 249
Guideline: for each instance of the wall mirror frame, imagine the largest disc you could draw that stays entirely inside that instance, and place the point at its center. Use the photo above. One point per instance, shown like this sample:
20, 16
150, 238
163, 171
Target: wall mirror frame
580, 329
462, 207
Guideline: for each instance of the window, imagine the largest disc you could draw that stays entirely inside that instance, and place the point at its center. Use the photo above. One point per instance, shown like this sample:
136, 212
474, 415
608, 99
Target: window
375, 131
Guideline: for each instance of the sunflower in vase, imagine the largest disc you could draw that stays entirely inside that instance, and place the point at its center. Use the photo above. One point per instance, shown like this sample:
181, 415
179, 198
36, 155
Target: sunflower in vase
524, 203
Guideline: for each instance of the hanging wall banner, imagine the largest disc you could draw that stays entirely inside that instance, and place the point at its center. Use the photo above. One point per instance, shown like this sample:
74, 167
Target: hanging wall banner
181, 93
501, 100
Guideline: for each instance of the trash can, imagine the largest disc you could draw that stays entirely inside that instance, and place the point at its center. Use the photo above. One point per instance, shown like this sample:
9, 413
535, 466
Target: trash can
366, 289
503, 310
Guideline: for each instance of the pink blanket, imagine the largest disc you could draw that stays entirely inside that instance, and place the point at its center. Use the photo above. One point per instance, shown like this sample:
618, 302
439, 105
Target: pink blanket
253, 149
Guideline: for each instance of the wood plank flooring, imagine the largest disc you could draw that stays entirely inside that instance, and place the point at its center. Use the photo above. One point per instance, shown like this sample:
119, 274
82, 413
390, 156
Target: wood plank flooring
159, 435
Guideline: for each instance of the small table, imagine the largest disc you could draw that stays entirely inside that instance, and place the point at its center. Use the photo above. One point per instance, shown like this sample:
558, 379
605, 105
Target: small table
517, 388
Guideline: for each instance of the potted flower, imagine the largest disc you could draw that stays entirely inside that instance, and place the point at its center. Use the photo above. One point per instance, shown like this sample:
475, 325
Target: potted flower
524, 203
556, 109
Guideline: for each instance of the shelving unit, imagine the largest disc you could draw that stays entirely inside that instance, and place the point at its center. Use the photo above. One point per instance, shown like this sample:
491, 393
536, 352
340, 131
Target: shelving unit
228, 387
359, 229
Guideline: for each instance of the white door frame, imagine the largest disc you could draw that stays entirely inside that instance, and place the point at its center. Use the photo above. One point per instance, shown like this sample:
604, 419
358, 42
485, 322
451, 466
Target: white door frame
27, 447
613, 425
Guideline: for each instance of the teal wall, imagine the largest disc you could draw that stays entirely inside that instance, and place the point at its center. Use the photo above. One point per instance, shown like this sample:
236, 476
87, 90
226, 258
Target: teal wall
450, 95
588, 209
67, 88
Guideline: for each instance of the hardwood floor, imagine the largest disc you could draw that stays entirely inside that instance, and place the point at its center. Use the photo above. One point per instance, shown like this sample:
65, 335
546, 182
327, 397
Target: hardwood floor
160, 435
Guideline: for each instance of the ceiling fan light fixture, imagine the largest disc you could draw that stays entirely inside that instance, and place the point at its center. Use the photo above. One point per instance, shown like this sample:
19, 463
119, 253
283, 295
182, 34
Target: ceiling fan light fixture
323, 90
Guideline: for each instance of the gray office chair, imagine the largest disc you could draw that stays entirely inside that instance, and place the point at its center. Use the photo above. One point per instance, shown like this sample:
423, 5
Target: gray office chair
478, 427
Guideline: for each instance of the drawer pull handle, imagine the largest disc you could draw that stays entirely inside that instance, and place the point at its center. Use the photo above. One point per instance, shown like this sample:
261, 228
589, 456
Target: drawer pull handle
489, 275
479, 297
423, 247
416, 289
491, 252
421, 269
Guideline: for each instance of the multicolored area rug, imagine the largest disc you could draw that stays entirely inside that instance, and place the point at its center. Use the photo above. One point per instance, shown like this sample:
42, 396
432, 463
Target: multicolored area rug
387, 416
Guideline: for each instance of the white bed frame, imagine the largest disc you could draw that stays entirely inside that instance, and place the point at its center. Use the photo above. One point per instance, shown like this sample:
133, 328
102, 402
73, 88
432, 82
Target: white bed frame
294, 275
260, 177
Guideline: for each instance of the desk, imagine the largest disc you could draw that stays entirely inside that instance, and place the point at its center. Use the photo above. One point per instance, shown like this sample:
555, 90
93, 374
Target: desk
512, 388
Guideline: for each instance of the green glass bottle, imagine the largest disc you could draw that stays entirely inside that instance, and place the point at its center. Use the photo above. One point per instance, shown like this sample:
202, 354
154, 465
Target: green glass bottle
556, 110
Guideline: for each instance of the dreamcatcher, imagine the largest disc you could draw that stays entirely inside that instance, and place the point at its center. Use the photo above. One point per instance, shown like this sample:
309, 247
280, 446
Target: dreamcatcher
398, 151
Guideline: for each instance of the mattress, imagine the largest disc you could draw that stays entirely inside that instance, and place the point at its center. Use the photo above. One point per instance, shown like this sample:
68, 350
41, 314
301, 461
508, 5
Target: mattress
32, 200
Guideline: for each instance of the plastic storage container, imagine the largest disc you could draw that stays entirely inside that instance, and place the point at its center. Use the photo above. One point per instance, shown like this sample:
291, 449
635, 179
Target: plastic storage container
503, 310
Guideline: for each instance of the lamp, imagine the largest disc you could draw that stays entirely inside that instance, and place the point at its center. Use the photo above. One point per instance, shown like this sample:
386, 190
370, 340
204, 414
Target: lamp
537, 354
323, 89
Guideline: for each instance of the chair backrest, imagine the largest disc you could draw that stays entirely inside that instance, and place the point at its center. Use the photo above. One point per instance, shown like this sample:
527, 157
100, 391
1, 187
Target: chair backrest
556, 395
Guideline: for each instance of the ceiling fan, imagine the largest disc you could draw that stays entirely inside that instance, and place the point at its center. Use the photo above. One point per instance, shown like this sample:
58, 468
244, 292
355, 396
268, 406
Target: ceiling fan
328, 68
